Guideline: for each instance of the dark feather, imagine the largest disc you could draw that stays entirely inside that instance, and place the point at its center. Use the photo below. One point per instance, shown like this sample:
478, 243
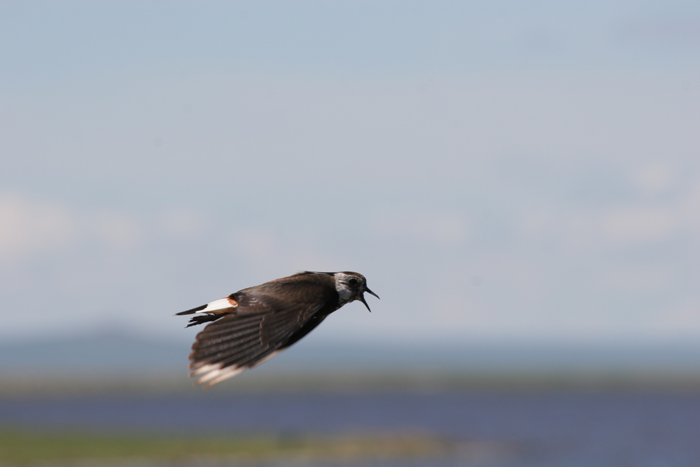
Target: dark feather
275, 328
243, 340
193, 310
201, 319
209, 344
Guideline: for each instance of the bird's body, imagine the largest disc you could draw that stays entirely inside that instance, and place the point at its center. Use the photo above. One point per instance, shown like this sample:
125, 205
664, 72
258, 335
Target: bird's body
254, 324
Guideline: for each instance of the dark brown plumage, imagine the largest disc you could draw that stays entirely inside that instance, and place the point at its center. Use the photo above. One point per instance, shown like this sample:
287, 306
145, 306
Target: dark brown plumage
254, 324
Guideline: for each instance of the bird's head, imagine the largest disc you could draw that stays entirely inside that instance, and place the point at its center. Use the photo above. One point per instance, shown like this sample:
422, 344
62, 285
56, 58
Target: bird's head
351, 286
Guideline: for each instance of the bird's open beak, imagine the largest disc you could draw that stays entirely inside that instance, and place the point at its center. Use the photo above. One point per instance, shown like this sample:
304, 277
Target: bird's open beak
362, 298
370, 292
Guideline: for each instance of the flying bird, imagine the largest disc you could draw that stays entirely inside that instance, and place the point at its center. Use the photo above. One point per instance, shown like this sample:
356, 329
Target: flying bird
255, 324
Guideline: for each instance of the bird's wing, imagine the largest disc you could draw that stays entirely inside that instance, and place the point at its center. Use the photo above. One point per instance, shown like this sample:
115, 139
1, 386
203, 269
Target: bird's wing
258, 330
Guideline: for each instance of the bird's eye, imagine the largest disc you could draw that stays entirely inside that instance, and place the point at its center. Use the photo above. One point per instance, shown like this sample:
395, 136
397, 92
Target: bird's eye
352, 281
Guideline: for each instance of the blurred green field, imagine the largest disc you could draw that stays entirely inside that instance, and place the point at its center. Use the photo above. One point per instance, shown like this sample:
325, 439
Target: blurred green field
28, 448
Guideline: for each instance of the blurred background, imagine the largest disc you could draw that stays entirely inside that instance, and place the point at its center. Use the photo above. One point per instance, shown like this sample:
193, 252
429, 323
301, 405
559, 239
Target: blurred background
519, 182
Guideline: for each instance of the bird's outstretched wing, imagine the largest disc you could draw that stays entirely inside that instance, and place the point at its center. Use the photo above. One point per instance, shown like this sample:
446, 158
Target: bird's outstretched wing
261, 326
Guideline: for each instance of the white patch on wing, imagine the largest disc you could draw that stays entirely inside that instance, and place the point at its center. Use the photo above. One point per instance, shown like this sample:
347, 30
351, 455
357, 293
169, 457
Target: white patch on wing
226, 373
217, 374
214, 373
203, 368
218, 305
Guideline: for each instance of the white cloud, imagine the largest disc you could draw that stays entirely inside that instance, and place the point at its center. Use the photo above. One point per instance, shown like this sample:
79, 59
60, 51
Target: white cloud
182, 223
638, 277
605, 228
256, 244
640, 224
117, 229
30, 227
690, 208
653, 178
678, 320
271, 255
443, 229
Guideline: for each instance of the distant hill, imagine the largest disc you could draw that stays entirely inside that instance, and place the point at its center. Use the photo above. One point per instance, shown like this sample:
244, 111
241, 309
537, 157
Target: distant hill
100, 354
120, 353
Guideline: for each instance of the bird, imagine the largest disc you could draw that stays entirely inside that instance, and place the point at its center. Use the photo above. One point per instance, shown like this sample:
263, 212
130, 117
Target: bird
254, 324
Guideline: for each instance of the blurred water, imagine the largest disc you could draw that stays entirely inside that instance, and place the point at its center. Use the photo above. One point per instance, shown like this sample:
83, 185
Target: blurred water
565, 429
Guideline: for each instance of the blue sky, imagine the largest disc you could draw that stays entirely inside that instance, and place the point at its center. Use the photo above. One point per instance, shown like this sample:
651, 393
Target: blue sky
500, 171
